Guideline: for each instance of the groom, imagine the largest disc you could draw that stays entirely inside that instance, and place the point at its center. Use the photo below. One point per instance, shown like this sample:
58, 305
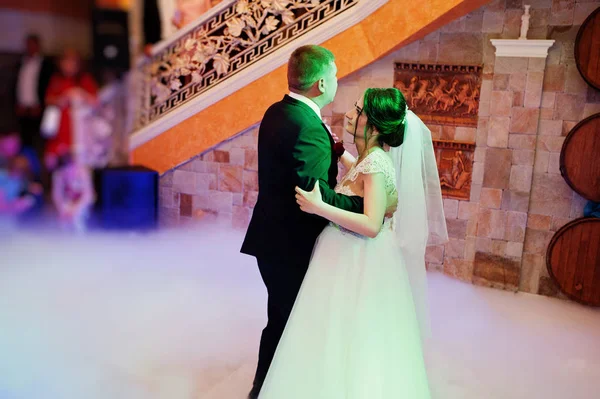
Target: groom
295, 148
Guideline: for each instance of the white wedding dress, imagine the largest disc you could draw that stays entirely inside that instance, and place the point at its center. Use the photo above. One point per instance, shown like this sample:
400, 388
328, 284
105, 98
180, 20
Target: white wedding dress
353, 332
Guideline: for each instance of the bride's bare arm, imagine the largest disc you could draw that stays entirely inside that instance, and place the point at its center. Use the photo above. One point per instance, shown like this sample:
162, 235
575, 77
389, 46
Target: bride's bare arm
366, 224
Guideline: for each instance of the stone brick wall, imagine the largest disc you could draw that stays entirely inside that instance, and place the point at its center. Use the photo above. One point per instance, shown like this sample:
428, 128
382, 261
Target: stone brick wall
566, 99
220, 184
518, 198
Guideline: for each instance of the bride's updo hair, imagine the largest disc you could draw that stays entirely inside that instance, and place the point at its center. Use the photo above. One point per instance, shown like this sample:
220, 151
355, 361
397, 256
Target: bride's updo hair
386, 112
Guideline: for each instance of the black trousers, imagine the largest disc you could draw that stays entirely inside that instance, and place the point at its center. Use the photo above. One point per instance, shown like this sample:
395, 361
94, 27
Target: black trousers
30, 133
283, 280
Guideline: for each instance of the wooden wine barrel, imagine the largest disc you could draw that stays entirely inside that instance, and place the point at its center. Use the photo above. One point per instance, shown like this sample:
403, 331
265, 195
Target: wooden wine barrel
587, 49
580, 158
573, 260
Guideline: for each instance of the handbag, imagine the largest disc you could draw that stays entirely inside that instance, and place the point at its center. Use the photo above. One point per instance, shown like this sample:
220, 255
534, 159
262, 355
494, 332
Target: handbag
50, 121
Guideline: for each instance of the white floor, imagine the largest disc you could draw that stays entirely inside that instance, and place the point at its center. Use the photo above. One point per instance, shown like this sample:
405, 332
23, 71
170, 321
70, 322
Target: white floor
177, 315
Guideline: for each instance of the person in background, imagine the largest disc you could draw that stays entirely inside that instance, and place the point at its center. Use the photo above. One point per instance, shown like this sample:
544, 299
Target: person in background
162, 18
14, 198
152, 26
11, 146
72, 193
68, 87
33, 77
20, 191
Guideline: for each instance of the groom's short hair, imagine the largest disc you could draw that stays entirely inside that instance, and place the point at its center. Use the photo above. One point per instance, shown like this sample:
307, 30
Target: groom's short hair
306, 65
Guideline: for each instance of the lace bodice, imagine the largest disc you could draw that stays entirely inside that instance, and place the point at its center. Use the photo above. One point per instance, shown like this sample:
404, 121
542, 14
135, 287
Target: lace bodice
376, 162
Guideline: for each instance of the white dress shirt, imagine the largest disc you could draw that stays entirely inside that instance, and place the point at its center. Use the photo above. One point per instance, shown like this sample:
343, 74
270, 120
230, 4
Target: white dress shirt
307, 101
27, 86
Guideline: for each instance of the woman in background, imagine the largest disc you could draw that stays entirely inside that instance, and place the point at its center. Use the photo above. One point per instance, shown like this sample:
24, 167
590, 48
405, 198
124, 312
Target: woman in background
68, 87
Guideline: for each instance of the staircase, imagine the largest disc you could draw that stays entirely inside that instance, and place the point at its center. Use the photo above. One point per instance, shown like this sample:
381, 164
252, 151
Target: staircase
216, 77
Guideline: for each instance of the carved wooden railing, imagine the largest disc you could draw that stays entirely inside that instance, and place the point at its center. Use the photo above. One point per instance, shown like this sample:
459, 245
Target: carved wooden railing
237, 36
236, 41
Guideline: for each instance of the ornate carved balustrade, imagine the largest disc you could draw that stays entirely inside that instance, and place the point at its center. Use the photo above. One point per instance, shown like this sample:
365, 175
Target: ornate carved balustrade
233, 37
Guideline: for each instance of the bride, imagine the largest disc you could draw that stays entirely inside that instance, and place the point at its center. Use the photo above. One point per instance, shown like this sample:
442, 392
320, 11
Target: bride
356, 328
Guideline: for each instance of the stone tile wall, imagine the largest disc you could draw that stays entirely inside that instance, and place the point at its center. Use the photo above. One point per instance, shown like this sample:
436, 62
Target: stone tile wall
220, 184
518, 198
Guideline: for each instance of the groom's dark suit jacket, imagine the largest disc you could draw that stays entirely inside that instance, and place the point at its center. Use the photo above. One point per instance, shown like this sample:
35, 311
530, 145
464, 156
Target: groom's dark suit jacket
294, 149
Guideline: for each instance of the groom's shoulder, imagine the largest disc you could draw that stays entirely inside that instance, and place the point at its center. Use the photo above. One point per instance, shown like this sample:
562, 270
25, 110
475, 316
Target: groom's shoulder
279, 106
286, 104
289, 110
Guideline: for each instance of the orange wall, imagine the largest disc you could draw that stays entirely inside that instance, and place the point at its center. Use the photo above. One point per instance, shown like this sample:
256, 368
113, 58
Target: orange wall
393, 25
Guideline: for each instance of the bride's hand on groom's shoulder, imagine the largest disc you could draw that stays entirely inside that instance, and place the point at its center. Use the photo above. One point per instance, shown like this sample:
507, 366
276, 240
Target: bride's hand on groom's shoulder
310, 201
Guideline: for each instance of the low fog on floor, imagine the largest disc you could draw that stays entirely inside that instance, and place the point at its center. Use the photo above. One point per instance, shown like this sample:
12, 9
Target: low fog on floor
178, 315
